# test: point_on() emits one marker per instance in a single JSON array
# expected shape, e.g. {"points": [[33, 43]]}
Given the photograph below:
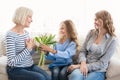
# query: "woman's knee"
{"points": [[96, 75], [76, 75], [76, 72], [55, 70], [63, 72], [38, 77]]}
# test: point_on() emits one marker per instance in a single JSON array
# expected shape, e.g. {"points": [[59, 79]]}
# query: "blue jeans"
{"points": [[77, 75], [59, 73], [28, 73]]}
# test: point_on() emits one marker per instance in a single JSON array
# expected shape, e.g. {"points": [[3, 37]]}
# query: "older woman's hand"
{"points": [[30, 43]]}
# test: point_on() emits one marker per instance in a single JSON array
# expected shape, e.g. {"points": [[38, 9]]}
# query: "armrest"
{"points": [[113, 68], [3, 63]]}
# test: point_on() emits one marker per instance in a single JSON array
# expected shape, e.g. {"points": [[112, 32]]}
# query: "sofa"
{"points": [[113, 72]]}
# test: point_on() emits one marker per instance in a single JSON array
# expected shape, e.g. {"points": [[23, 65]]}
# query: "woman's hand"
{"points": [[44, 47], [30, 43], [72, 67], [83, 68]]}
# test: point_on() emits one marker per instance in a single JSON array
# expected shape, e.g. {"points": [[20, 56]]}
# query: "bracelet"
{"points": [[47, 53]]}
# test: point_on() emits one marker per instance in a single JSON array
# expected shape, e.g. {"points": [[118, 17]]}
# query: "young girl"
{"points": [[63, 51]]}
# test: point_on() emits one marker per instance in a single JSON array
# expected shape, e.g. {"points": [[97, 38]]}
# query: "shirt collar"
{"points": [[107, 35]]}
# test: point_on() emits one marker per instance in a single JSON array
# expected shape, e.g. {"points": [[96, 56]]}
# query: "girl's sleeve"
{"points": [[68, 53]]}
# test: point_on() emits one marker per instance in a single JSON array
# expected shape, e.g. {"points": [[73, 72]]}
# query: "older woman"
{"points": [[20, 47]]}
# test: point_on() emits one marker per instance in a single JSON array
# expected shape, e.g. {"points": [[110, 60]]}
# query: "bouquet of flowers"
{"points": [[47, 40]]}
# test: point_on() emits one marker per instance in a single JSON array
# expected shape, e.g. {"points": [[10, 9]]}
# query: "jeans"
{"points": [[27, 73], [59, 73], [77, 75]]}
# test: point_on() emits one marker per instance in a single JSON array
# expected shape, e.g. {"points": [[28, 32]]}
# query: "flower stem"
{"points": [[42, 58]]}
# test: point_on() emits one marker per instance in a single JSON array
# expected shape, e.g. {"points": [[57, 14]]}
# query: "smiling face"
{"points": [[98, 23], [63, 31], [28, 21]]}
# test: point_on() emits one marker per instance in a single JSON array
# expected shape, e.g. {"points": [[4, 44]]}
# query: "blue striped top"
{"points": [[17, 53]]}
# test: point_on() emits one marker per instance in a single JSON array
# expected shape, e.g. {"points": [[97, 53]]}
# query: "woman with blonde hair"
{"points": [[96, 51], [63, 51], [20, 47]]}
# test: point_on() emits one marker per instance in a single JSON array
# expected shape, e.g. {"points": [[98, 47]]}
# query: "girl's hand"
{"points": [[44, 47], [72, 67], [83, 68]]}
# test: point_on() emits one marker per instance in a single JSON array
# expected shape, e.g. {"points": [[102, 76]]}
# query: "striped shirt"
{"points": [[17, 53]]}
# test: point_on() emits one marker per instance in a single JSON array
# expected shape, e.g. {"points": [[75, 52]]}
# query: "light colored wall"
{"points": [[49, 13]]}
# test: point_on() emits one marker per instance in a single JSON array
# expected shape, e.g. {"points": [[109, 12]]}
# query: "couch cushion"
{"points": [[2, 44], [3, 77], [3, 63], [113, 68]]}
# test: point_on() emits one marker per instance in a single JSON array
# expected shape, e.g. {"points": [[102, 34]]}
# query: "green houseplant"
{"points": [[47, 40]]}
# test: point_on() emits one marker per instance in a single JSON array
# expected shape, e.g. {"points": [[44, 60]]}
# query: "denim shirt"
{"points": [[65, 52], [97, 56]]}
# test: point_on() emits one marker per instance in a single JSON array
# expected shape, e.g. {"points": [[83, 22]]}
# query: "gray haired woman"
{"points": [[20, 47]]}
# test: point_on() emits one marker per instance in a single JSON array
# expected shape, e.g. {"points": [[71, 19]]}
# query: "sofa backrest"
{"points": [[117, 51], [33, 34]]}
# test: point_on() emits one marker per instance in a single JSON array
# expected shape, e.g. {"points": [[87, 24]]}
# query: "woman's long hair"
{"points": [[107, 21]]}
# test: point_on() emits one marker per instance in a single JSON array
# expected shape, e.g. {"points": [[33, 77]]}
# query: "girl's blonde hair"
{"points": [[107, 21], [21, 15], [72, 35]]}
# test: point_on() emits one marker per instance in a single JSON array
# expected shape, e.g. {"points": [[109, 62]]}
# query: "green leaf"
{"points": [[43, 38], [53, 36], [51, 43], [37, 39], [50, 39], [47, 40]]}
